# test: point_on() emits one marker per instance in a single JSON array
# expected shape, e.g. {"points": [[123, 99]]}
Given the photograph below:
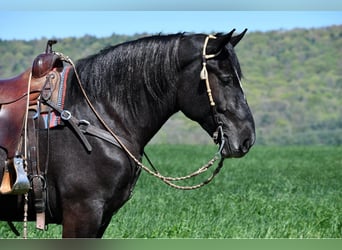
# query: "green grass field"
{"points": [[273, 192]]}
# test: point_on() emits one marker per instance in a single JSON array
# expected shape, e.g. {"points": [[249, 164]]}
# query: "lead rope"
{"points": [[165, 179], [25, 156]]}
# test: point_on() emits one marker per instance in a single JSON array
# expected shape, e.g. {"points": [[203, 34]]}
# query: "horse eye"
{"points": [[226, 79]]}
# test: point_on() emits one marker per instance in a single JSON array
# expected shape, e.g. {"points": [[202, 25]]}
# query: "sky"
{"points": [[33, 24], [144, 5]]}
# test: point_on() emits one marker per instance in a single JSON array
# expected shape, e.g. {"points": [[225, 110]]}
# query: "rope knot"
{"points": [[204, 72]]}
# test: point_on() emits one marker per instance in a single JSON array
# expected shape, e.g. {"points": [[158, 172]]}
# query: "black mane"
{"points": [[121, 72]]}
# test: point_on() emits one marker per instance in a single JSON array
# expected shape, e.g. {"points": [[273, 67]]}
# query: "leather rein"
{"points": [[109, 135]]}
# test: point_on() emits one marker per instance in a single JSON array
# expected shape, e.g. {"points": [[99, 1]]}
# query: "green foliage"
{"points": [[273, 192], [293, 82], [294, 85]]}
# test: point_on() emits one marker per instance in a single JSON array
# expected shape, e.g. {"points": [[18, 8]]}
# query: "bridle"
{"points": [[218, 135]]}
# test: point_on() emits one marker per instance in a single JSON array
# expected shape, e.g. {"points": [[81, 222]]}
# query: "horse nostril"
{"points": [[246, 146]]}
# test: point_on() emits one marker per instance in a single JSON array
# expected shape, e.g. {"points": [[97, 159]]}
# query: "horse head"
{"points": [[211, 93]]}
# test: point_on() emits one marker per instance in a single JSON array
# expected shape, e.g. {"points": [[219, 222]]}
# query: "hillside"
{"points": [[293, 82]]}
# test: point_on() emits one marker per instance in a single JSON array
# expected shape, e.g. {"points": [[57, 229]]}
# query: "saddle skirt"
{"points": [[36, 93], [13, 103]]}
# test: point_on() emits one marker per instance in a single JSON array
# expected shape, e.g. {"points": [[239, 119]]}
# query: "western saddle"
{"points": [[33, 96], [20, 96]]}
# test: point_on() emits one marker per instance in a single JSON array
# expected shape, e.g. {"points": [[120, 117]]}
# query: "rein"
{"points": [[218, 135]]}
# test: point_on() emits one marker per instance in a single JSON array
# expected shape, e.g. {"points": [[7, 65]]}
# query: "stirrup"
{"points": [[14, 180]]}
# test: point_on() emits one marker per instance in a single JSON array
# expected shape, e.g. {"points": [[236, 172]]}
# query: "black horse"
{"points": [[135, 86]]}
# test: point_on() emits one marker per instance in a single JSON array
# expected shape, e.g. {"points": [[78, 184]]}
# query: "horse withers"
{"points": [[135, 87]]}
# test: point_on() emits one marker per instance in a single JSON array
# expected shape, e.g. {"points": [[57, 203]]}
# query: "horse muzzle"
{"points": [[230, 147]]}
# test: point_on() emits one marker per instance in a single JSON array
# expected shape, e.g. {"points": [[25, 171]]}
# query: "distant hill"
{"points": [[294, 85], [293, 82]]}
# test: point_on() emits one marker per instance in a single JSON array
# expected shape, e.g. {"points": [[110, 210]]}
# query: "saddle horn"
{"points": [[49, 46]]}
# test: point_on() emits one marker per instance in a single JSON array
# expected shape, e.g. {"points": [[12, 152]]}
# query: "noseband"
{"points": [[218, 135]]}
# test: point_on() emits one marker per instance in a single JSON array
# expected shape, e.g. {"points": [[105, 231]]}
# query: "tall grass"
{"points": [[273, 192]]}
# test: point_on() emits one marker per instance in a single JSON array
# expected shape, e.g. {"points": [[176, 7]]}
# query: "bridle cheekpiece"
{"points": [[218, 135]]}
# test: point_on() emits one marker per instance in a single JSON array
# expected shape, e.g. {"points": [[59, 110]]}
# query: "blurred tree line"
{"points": [[293, 82]]}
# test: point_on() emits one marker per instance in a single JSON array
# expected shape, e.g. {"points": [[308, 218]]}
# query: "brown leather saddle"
{"points": [[17, 95]]}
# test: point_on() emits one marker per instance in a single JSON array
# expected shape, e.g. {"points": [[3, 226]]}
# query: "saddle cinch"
{"points": [[17, 96]]}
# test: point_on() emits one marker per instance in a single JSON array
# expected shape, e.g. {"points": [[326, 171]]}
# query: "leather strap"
{"points": [[67, 117], [37, 179], [87, 128], [82, 127]]}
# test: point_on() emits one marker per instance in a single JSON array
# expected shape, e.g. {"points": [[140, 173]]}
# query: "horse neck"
{"points": [[140, 124], [147, 121], [136, 118], [144, 76]]}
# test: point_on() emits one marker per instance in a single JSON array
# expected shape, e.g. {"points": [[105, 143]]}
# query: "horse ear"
{"points": [[236, 39], [215, 45]]}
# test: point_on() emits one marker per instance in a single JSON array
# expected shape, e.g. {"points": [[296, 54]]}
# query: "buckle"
{"points": [[83, 125], [40, 177], [66, 115]]}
